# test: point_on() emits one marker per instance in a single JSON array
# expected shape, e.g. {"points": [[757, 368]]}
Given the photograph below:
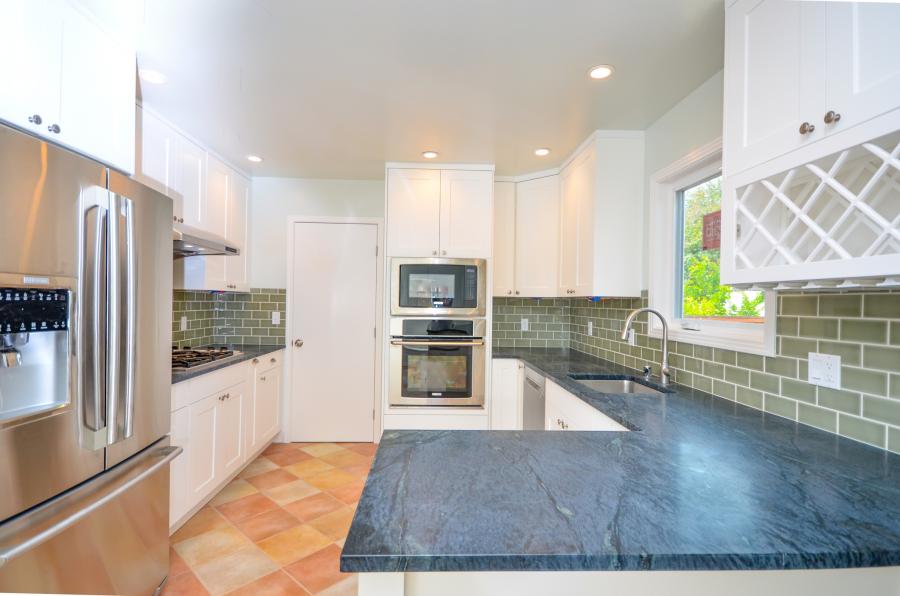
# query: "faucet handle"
{"points": [[647, 370]]}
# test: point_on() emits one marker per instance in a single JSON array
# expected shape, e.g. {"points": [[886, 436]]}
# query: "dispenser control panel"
{"points": [[33, 310]]}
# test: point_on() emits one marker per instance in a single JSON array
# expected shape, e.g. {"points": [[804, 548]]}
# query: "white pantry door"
{"points": [[333, 301]]}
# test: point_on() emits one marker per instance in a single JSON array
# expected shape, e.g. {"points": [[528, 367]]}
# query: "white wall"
{"points": [[691, 123], [275, 199]]}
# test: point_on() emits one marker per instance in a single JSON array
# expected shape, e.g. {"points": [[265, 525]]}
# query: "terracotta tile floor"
{"points": [[277, 528]]}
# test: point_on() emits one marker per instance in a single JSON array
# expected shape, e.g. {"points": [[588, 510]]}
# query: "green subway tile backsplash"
{"points": [[863, 328], [228, 318]]}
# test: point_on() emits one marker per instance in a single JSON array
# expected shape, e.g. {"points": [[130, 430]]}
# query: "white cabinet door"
{"points": [[773, 79], [537, 237], [264, 419], [504, 238], [413, 213], [218, 179], [863, 61], [188, 176], [506, 394], [577, 238], [97, 92], [153, 148], [236, 265], [467, 213], [230, 429], [30, 63], [202, 464], [179, 472]]}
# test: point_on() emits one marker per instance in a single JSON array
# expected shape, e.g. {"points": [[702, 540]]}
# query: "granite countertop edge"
{"points": [[248, 352]]}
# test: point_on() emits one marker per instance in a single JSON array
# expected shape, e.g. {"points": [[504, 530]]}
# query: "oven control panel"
{"points": [[33, 310]]}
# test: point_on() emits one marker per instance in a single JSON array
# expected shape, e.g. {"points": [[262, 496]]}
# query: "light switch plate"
{"points": [[276, 317], [184, 324], [524, 324], [825, 370]]}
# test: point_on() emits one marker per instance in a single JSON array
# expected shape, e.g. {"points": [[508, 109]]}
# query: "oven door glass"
{"points": [[437, 372], [438, 286]]}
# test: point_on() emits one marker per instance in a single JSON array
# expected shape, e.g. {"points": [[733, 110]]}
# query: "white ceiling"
{"points": [[334, 88]]}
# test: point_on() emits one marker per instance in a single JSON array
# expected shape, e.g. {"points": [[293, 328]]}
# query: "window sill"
{"points": [[739, 342]]}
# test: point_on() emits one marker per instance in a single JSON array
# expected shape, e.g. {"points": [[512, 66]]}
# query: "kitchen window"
{"points": [[685, 222]]}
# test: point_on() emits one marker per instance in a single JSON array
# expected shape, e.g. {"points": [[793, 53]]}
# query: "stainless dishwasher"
{"points": [[533, 401]]}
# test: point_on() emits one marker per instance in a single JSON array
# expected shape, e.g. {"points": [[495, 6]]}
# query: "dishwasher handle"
{"points": [[535, 385]]}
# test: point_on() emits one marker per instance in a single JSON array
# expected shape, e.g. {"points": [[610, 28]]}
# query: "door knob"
{"points": [[807, 128], [298, 343], [831, 117]]}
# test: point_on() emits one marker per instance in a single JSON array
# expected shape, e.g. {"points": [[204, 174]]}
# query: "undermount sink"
{"points": [[615, 385]]}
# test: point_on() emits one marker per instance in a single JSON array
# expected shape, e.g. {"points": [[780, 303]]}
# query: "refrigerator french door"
{"points": [[85, 334]]}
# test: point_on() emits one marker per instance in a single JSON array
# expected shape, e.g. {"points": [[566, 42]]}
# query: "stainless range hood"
{"points": [[192, 242]]}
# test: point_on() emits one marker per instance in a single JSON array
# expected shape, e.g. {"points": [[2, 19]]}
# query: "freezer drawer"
{"points": [[107, 536]]}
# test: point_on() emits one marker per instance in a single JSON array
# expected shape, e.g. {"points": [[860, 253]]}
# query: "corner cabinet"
{"points": [[222, 420], [526, 237], [812, 114], [69, 78], [439, 212], [601, 217]]}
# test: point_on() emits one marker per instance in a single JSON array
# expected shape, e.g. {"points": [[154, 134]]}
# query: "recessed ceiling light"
{"points": [[429, 154], [542, 152], [154, 77], [602, 71], [254, 158]]}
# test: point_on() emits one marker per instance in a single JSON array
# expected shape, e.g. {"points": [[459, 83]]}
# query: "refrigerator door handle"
{"points": [[92, 326], [48, 521], [122, 320]]}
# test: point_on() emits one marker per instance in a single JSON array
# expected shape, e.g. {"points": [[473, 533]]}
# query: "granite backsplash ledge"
{"points": [[861, 327], [228, 317]]}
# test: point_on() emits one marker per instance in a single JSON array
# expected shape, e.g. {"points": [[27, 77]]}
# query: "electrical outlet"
{"points": [[184, 324], [825, 370], [590, 328], [276, 317], [631, 337], [524, 325]]}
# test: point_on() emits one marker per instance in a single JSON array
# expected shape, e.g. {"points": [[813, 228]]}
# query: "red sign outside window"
{"points": [[712, 227]]}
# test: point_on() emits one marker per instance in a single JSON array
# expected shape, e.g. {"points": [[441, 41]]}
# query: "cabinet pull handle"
{"points": [[807, 128], [262, 378], [508, 292], [831, 117], [272, 360], [444, 252], [35, 119], [256, 361], [434, 253], [517, 292], [54, 128]]}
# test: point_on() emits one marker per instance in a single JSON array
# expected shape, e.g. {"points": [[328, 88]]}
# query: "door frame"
{"points": [[286, 399]]}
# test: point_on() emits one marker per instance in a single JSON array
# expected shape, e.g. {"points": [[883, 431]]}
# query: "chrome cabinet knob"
{"points": [[35, 119], [54, 128], [508, 292], [807, 128], [262, 378], [831, 117], [517, 292], [444, 252], [434, 253], [256, 361], [180, 220], [272, 360], [298, 343]]}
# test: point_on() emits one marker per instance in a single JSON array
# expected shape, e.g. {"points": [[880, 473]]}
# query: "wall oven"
{"points": [[437, 362], [438, 287]]}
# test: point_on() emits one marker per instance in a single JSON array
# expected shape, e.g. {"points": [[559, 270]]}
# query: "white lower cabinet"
{"points": [[222, 420], [564, 411], [506, 394]]}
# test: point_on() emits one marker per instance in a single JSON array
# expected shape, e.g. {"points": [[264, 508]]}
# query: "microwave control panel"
{"points": [[33, 310]]}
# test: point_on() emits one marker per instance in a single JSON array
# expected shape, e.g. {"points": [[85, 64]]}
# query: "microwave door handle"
{"points": [[93, 328], [120, 373]]}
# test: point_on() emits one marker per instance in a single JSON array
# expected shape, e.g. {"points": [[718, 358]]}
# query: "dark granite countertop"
{"points": [[248, 353], [699, 483]]}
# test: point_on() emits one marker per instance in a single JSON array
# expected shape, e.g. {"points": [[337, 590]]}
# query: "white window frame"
{"points": [[754, 338]]}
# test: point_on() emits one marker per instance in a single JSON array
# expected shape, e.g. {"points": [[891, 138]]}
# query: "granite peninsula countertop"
{"points": [[249, 352], [700, 483]]}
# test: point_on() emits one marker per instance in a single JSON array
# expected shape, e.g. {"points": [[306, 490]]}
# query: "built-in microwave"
{"points": [[438, 287], [437, 362]]}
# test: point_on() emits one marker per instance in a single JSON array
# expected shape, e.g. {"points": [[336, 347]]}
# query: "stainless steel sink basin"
{"points": [[617, 386]]}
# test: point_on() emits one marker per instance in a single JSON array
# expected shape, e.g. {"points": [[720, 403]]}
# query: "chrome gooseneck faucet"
{"points": [[664, 365]]}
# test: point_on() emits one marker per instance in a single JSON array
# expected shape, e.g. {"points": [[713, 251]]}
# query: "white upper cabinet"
{"points": [[601, 217], [187, 173], [439, 213], [413, 212], [537, 237], [68, 79], [504, 238], [153, 150], [218, 180], [466, 213], [236, 265]]}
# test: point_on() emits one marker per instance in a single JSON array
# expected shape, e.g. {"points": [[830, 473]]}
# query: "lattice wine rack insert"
{"points": [[843, 206]]}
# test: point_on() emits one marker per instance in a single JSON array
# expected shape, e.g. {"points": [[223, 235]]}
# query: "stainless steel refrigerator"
{"points": [[85, 373]]}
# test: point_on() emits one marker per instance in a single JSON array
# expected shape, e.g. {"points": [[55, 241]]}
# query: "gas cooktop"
{"points": [[187, 358]]}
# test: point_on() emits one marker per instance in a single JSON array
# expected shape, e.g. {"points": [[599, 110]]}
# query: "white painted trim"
{"points": [[744, 337], [527, 177], [415, 165], [378, 305]]}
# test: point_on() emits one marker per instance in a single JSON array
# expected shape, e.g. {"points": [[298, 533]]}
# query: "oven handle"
{"points": [[401, 342]]}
